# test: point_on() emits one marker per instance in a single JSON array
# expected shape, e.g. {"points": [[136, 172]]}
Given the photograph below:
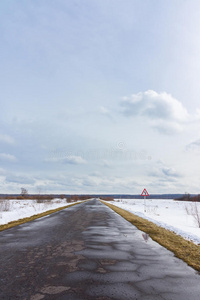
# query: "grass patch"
{"points": [[183, 249], [34, 217]]}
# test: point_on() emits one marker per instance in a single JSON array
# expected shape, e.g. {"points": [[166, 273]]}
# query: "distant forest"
{"points": [[108, 197]]}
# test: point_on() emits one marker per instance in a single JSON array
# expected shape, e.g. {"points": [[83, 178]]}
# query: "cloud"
{"points": [[103, 110], [164, 172], [105, 163], [165, 113], [2, 171], [71, 159], [170, 172], [193, 146], [106, 183], [167, 128], [75, 160], [21, 179], [4, 138], [154, 105], [7, 157]]}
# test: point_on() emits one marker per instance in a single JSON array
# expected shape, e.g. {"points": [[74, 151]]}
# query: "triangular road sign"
{"points": [[145, 193]]}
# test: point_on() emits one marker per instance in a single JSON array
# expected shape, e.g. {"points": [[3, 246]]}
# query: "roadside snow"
{"points": [[169, 214], [19, 209]]}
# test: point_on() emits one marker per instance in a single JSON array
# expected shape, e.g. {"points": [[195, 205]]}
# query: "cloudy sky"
{"points": [[100, 96]]}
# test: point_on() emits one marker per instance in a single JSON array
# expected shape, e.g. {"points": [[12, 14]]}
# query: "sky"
{"points": [[100, 96]]}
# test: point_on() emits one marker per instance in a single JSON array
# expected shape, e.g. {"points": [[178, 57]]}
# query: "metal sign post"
{"points": [[145, 193]]}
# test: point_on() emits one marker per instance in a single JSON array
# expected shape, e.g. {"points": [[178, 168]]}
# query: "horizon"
{"points": [[97, 194]]}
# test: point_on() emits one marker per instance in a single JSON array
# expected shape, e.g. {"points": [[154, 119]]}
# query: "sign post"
{"points": [[145, 193]]}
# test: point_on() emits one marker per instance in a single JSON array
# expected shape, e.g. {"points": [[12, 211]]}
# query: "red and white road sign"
{"points": [[145, 193]]}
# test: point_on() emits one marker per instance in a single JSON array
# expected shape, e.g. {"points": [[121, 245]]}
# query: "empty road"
{"points": [[89, 252]]}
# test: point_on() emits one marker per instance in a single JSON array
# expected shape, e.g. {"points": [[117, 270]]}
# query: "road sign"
{"points": [[145, 193]]}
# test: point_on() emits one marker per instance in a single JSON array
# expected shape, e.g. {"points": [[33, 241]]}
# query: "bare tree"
{"points": [[24, 192], [5, 205], [39, 198], [194, 211], [196, 214]]}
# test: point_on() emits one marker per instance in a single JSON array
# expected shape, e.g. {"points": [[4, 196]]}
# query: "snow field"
{"points": [[19, 209]]}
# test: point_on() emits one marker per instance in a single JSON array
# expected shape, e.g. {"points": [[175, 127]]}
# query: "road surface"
{"points": [[89, 252]]}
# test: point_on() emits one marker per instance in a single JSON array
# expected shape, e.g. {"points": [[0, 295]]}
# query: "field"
{"points": [[12, 210]]}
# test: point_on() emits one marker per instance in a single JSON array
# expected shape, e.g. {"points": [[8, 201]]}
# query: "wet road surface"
{"points": [[89, 252]]}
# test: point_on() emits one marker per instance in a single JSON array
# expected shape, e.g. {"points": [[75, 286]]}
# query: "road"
{"points": [[89, 252]]}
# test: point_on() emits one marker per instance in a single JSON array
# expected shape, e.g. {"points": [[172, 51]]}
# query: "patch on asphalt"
{"points": [[50, 290], [54, 289], [37, 297]]}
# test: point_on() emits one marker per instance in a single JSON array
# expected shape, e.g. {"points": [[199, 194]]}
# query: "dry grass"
{"points": [[25, 220], [183, 249]]}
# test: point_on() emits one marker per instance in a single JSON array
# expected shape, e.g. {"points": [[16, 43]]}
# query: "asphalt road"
{"points": [[89, 252]]}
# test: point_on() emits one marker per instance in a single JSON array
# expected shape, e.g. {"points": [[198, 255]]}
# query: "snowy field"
{"points": [[12, 210], [177, 216]]}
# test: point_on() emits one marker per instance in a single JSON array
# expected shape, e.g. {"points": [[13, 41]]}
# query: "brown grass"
{"points": [[183, 249], [25, 220]]}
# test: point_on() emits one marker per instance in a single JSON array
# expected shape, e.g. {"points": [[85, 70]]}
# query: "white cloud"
{"points": [[71, 159], [2, 171], [19, 179], [197, 115], [167, 127], [104, 110], [165, 113], [170, 172], [164, 172], [106, 163], [7, 157], [193, 146], [111, 184], [155, 105], [4, 138]]}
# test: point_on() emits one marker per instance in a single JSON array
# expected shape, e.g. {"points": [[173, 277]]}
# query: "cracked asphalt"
{"points": [[89, 252]]}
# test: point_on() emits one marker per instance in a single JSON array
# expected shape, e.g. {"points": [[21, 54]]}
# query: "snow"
{"points": [[19, 209], [176, 216]]}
